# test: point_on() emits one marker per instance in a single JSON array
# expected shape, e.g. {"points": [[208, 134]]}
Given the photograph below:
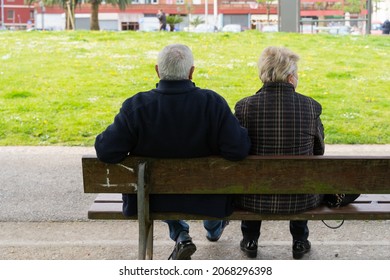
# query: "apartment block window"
{"points": [[144, 2], [10, 14], [179, 1], [148, 1]]}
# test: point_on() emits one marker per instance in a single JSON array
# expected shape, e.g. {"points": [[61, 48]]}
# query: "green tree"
{"points": [[95, 10], [172, 20], [196, 21], [354, 6], [69, 6]]}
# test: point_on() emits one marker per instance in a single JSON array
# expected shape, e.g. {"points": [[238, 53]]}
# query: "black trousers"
{"points": [[298, 229]]}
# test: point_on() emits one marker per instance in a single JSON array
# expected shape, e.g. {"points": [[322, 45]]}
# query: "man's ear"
{"points": [[156, 68], [191, 72]]}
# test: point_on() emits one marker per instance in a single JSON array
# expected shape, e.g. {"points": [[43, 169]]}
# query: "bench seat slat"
{"points": [[364, 198], [108, 197], [355, 211]]}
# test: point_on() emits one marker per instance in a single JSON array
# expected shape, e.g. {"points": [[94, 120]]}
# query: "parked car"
{"points": [[307, 29], [149, 24], [334, 29], [270, 28], [376, 28], [232, 28], [340, 30], [202, 28]]}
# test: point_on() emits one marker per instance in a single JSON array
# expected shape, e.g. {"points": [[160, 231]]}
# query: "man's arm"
{"points": [[234, 139], [115, 143]]}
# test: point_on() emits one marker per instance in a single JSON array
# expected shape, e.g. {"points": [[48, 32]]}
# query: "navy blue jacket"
{"points": [[175, 120]]}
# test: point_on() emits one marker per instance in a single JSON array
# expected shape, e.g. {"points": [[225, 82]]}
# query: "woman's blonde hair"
{"points": [[276, 64]]}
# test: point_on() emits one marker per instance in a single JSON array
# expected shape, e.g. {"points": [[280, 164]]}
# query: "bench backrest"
{"points": [[255, 174]]}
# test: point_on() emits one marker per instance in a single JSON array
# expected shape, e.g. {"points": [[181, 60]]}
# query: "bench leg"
{"points": [[149, 244], [145, 241], [145, 225]]}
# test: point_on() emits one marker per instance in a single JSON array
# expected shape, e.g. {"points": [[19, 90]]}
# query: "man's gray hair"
{"points": [[175, 62], [276, 64]]}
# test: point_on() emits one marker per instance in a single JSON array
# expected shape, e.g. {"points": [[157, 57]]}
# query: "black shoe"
{"points": [[184, 248], [249, 247], [218, 233], [300, 248]]}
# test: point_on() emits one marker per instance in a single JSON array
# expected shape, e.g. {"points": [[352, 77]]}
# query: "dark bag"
{"points": [[338, 200]]}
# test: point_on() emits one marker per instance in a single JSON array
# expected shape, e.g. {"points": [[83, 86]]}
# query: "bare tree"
{"points": [[268, 5], [68, 6]]}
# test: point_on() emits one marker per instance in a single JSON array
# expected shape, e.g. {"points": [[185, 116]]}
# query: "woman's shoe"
{"points": [[300, 248], [249, 247]]}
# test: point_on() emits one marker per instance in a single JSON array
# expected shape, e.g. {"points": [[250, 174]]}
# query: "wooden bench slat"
{"points": [[359, 211], [106, 211], [108, 197], [284, 174], [364, 198], [380, 198]]}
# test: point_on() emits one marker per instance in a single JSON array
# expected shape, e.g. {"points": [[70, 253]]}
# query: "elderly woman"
{"points": [[280, 121]]}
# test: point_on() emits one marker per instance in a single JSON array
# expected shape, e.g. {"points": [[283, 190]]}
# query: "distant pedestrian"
{"points": [[386, 27], [163, 20]]}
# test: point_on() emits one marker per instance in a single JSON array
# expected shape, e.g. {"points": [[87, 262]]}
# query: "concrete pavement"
{"points": [[43, 216]]}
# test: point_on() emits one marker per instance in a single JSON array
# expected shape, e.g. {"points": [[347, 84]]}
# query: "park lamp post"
{"points": [[206, 11], [2, 14], [43, 9]]}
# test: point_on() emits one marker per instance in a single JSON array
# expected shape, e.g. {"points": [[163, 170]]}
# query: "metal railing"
{"points": [[336, 24]]}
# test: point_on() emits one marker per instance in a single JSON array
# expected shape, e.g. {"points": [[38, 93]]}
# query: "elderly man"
{"points": [[177, 120]]}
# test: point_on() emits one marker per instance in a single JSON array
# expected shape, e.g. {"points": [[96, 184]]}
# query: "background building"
{"points": [[15, 14], [316, 15]]}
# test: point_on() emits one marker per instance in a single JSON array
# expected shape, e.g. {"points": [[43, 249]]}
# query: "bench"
{"points": [[368, 175]]}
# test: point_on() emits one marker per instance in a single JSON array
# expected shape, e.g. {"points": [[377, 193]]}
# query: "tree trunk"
{"points": [[95, 15], [67, 20], [69, 15]]}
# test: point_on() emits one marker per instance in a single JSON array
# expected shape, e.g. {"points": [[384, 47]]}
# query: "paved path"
{"points": [[43, 216]]}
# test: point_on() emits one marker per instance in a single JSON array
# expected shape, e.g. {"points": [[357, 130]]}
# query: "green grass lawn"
{"points": [[63, 88]]}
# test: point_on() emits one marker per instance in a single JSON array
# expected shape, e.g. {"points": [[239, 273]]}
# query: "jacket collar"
{"points": [[275, 86], [174, 87]]}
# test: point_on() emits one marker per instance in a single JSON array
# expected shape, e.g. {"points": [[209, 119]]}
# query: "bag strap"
{"points": [[333, 227]]}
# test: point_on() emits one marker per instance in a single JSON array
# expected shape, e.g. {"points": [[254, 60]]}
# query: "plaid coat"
{"points": [[281, 121]]}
